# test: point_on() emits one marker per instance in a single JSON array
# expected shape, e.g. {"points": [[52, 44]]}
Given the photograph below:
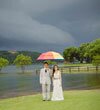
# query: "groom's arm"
{"points": [[41, 76]]}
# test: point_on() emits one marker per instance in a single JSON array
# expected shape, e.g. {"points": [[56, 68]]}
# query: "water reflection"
{"points": [[93, 80], [15, 84], [81, 81]]}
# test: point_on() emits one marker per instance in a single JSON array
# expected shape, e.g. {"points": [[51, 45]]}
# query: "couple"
{"points": [[46, 75]]}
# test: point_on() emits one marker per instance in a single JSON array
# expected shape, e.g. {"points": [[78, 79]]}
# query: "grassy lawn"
{"points": [[79, 68], [74, 100], [78, 64]]}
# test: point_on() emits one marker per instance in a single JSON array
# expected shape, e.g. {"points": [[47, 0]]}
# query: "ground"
{"points": [[74, 100]]}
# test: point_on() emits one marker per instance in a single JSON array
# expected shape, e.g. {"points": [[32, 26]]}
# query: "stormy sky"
{"points": [[43, 25]]}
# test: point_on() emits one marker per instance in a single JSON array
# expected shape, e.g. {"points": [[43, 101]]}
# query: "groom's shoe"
{"points": [[44, 100]]}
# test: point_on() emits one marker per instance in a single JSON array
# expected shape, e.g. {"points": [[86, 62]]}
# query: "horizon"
{"points": [[15, 50]]}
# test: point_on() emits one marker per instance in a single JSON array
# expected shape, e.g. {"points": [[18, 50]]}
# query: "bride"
{"points": [[57, 85]]}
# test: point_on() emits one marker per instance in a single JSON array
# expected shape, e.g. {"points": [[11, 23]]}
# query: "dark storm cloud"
{"points": [[47, 24], [81, 19]]}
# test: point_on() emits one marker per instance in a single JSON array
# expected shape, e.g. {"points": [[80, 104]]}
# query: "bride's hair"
{"points": [[54, 69]]}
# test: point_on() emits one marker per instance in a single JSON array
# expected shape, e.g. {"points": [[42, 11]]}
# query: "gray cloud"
{"points": [[23, 27], [81, 19], [35, 6], [48, 24]]}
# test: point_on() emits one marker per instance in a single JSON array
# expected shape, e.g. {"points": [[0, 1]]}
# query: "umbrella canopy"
{"points": [[50, 55]]}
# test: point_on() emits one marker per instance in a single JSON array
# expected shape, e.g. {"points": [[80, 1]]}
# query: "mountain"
{"points": [[11, 55]]}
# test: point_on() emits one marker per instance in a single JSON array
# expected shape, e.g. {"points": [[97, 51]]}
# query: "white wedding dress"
{"points": [[57, 94]]}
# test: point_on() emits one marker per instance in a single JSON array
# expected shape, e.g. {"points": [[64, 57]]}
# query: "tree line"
{"points": [[86, 52], [18, 58]]}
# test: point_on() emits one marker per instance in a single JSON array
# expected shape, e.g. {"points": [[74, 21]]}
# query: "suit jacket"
{"points": [[45, 76]]}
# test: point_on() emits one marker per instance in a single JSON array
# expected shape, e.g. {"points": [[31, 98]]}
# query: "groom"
{"points": [[45, 81]]}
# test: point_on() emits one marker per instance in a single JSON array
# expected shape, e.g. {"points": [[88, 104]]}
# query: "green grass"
{"points": [[79, 68], [78, 64], [74, 100]]}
